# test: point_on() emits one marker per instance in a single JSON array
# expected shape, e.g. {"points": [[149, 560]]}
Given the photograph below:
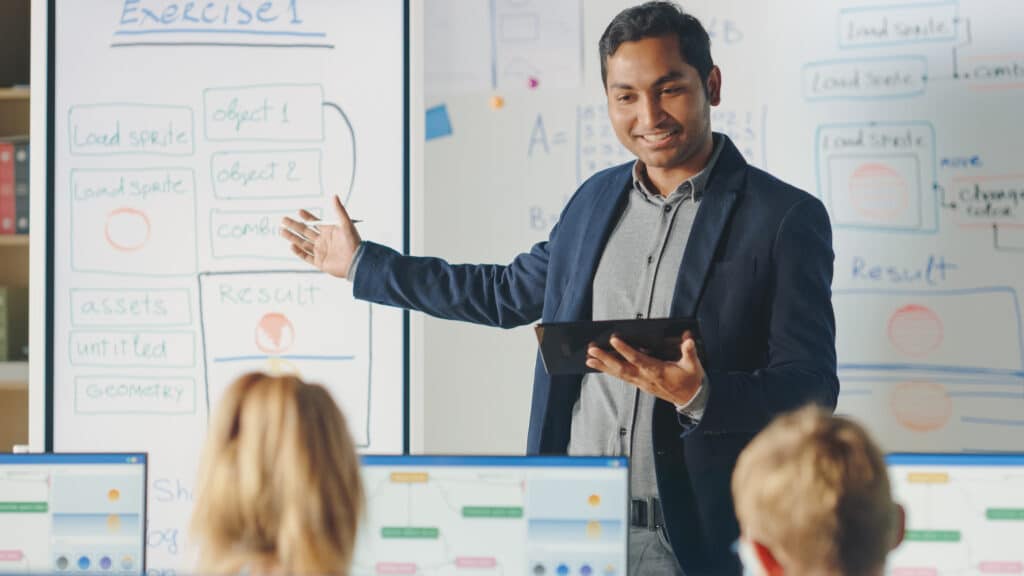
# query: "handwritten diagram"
{"points": [[962, 519], [504, 521], [273, 322], [912, 369], [930, 350], [167, 194], [171, 177]]}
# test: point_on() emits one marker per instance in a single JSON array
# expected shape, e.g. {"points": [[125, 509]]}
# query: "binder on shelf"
{"points": [[21, 195]]}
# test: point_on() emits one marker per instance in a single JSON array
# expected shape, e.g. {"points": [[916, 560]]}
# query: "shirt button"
{"points": [[623, 432], [668, 208], [639, 316], [650, 259]]}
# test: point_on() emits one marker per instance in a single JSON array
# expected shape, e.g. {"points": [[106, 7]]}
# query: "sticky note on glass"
{"points": [[438, 123]]}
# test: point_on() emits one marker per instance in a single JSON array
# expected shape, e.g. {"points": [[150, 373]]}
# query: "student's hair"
{"points": [[279, 486], [654, 20], [814, 489]]}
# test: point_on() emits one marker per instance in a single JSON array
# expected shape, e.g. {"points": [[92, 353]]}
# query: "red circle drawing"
{"points": [[921, 406], [275, 333], [915, 330], [127, 229], [879, 192]]}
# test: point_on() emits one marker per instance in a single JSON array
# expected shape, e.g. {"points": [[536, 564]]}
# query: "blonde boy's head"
{"points": [[812, 493]]}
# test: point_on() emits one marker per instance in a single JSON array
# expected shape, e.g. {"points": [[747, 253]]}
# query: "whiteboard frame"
{"points": [[42, 261]]}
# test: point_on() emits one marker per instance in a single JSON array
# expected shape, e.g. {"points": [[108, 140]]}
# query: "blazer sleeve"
{"points": [[801, 365], [495, 295]]}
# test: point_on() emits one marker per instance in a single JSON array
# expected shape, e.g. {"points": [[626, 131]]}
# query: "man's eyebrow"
{"points": [[670, 77]]}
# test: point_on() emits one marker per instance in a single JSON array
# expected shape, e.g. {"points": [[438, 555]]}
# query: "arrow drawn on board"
{"points": [[942, 196]]}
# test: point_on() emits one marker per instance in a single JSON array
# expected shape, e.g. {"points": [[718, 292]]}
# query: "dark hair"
{"points": [[653, 20]]}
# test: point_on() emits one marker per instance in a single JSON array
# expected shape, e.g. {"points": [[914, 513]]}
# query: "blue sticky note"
{"points": [[438, 123]]}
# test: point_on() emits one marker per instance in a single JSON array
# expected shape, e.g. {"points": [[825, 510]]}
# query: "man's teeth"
{"points": [[657, 136]]}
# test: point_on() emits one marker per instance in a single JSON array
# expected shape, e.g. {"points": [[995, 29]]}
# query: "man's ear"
{"points": [[901, 526], [769, 563], [714, 86]]}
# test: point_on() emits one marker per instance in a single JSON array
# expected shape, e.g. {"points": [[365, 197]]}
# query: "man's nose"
{"points": [[650, 111]]}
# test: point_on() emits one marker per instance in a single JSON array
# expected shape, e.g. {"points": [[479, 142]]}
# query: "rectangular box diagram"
{"points": [[932, 330], [879, 176], [897, 24], [115, 129], [272, 112], [302, 323], [262, 175], [133, 221], [865, 79]]}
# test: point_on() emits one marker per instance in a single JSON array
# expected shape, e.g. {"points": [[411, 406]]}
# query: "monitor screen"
{"points": [[965, 513], [72, 513], [494, 515]]}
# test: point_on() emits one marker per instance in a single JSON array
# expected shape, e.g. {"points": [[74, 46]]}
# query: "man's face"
{"points": [[657, 103]]}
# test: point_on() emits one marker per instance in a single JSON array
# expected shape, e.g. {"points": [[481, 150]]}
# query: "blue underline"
{"points": [[931, 368], [991, 421], [218, 31], [283, 357]]}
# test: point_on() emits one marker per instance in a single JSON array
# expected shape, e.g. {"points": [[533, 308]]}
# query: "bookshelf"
{"points": [[14, 121]]}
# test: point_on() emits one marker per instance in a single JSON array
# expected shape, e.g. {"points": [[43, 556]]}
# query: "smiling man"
{"points": [[688, 229]]}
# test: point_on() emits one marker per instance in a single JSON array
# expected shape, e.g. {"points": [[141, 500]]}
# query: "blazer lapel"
{"points": [[727, 180], [603, 217]]}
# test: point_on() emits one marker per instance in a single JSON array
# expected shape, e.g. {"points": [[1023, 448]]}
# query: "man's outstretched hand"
{"points": [[330, 248]]}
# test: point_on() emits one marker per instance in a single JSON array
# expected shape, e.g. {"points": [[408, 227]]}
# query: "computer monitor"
{"points": [[72, 513], [965, 513], [437, 515]]}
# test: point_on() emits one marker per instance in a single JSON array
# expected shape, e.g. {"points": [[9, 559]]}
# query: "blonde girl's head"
{"points": [[279, 487]]}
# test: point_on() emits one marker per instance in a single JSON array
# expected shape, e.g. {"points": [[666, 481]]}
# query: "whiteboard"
{"points": [[181, 133], [902, 117]]}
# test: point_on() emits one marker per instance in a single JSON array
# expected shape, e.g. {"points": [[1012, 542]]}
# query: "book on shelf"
{"points": [[13, 323], [14, 190], [6, 187]]}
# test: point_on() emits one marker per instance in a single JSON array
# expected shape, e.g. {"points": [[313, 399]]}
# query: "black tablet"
{"points": [[563, 345]]}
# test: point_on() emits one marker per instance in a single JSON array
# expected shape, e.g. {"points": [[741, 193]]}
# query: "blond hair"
{"points": [[279, 486], [814, 489]]}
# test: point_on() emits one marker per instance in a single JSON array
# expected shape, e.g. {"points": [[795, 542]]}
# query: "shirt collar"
{"points": [[696, 183]]}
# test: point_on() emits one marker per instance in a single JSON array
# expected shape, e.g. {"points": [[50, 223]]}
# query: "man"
{"points": [[689, 229], [812, 495]]}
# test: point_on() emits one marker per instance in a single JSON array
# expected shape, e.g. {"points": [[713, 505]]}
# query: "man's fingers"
{"points": [[295, 228], [690, 349], [292, 236], [690, 361], [612, 361], [642, 362], [307, 215], [298, 241], [339, 210], [302, 254], [632, 355], [596, 364]]}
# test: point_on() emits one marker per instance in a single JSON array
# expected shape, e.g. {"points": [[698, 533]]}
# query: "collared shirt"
{"points": [[636, 278]]}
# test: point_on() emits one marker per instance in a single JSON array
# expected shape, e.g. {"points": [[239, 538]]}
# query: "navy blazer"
{"points": [[757, 272]]}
